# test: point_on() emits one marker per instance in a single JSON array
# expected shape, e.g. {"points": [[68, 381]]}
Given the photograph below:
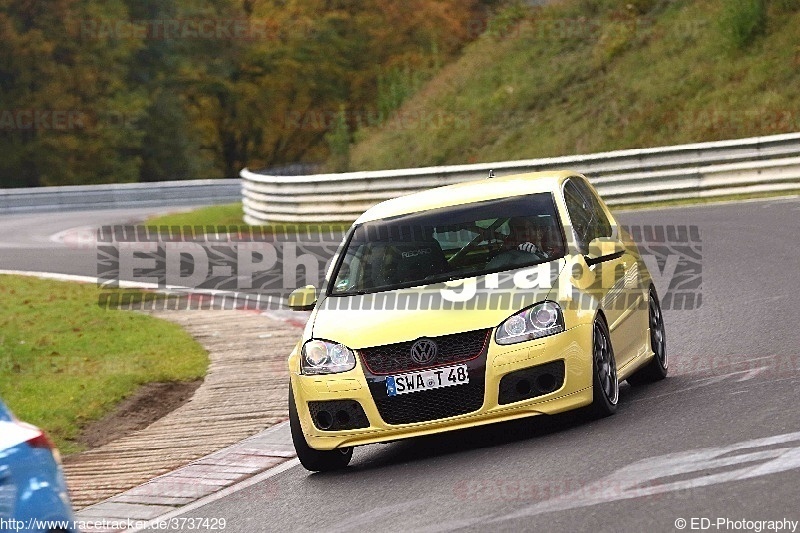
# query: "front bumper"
{"points": [[573, 347]]}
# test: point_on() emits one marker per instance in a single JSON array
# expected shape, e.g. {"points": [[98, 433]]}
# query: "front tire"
{"points": [[605, 385], [656, 369], [311, 459]]}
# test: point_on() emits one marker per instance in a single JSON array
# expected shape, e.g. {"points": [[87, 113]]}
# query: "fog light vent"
{"points": [[337, 415], [531, 382]]}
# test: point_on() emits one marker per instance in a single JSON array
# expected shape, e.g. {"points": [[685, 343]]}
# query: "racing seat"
{"points": [[394, 263]]}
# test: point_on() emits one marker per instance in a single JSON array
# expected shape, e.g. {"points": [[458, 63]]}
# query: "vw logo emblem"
{"points": [[424, 351]]}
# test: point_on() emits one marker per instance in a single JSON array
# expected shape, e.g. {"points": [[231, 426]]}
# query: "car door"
{"points": [[616, 279]]}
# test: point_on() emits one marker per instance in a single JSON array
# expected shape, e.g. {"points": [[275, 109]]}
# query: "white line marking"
{"points": [[77, 235], [123, 284], [224, 493], [651, 476], [641, 478], [49, 275], [690, 367]]}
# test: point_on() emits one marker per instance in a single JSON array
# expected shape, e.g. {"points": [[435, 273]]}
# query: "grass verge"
{"points": [[226, 215], [576, 76], [221, 215], [65, 362]]}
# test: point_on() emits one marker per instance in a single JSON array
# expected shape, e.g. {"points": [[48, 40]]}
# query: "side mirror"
{"points": [[604, 249], [303, 299]]}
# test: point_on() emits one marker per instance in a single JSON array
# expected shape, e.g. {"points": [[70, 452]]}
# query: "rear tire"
{"points": [[311, 459], [656, 369], [605, 385]]}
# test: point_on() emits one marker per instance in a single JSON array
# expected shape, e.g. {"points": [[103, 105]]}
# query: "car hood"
{"points": [[362, 321]]}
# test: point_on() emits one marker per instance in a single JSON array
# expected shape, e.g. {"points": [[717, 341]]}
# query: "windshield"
{"points": [[449, 243]]}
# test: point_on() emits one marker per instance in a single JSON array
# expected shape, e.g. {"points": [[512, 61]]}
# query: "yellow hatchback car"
{"points": [[470, 304]]}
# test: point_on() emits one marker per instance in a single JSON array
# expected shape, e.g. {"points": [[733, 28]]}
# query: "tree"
{"points": [[66, 114], [142, 90]]}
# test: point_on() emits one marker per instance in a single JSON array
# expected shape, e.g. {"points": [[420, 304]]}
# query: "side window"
{"points": [[589, 221], [578, 214], [601, 226]]}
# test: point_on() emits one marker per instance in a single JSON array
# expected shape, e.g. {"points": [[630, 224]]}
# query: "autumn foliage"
{"points": [[146, 90]]}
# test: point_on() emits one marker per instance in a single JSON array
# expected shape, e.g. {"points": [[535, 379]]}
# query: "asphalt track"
{"points": [[60, 242], [719, 439]]}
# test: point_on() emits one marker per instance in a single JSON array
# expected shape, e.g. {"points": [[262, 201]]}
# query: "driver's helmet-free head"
{"points": [[522, 230]]}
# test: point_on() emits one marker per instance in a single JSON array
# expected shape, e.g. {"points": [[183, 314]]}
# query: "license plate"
{"points": [[427, 380]]}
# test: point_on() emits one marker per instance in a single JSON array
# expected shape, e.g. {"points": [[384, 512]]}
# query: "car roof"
{"points": [[467, 193]]}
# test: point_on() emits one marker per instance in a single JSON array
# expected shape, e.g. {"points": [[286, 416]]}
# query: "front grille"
{"points": [[432, 404], [455, 348]]}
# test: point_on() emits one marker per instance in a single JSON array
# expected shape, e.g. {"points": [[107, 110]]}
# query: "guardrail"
{"points": [[129, 195], [759, 164]]}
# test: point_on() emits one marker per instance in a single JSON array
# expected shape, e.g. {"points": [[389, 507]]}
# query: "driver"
{"points": [[521, 246], [524, 235]]}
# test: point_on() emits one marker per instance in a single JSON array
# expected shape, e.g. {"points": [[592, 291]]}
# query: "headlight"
{"points": [[325, 357], [535, 322]]}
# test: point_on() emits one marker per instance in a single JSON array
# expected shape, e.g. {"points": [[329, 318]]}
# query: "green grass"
{"points": [[742, 21], [222, 215], [64, 361], [231, 215], [580, 76]]}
